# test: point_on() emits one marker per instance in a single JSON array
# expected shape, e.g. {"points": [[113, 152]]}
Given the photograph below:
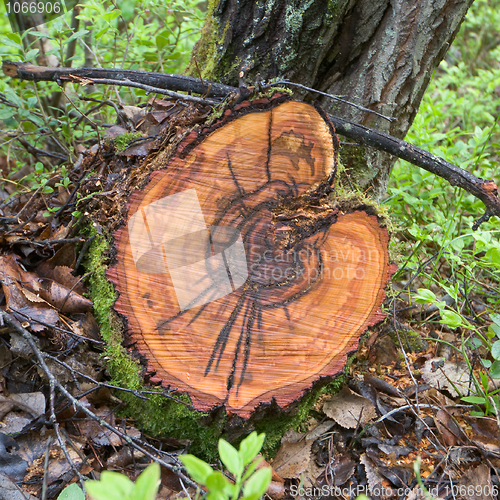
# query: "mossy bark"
{"points": [[379, 54]]}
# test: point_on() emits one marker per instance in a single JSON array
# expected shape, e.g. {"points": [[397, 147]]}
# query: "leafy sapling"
{"points": [[249, 483], [116, 486]]}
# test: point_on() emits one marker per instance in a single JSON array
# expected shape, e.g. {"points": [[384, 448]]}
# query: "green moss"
{"points": [[348, 199], [273, 90], [275, 428], [120, 365], [157, 415], [412, 341], [123, 141], [209, 60]]}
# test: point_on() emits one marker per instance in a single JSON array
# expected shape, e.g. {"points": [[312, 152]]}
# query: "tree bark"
{"points": [[378, 54]]}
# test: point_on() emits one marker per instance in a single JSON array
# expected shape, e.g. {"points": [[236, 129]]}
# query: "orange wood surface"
{"points": [[305, 281]]}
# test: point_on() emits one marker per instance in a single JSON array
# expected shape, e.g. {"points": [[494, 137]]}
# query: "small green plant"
{"points": [[416, 469], [72, 492], [487, 401], [116, 486], [249, 483]]}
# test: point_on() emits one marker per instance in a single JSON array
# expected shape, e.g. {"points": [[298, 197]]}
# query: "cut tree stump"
{"points": [[241, 281]]}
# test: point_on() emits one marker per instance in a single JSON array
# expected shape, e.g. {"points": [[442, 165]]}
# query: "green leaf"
{"points": [[216, 495], [250, 447], [450, 318], [197, 469], [493, 254], [486, 363], [494, 370], [72, 492], [257, 484], [37, 120], [10, 43], [31, 54], [100, 33], [216, 482], [7, 112], [110, 16], [477, 414], [32, 101], [146, 485], [477, 400], [14, 37], [230, 458], [24, 113], [495, 318], [112, 486], [474, 343], [493, 330], [425, 296], [78, 34], [495, 350], [250, 469], [13, 97], [162, 39]]}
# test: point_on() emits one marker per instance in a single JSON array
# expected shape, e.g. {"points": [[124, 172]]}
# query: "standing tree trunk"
{"points": [[379, 54]]}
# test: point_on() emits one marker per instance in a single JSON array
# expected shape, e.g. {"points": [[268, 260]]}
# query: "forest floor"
{"points": [[417, 406]]}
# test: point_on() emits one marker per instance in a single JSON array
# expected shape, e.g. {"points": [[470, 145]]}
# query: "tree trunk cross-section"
{"points": [[240, 282]]}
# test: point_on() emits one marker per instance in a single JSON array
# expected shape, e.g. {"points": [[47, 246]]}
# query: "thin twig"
{"points": [[54, 383], [147, 88], [331, 96]]}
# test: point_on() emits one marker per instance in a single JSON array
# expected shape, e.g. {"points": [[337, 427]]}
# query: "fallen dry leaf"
{"points": [[294, 459], [450, 375], [349, 409], [376, 482], [451, 433], [61, 274], [476, 483], [64, 299], [276, 490], [30, 402], [485, 433], [10, 491], [14, 280], [294, 455]]}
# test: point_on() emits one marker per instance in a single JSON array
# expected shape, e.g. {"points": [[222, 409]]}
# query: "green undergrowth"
{"points": [[457, 121], [445, 264]]}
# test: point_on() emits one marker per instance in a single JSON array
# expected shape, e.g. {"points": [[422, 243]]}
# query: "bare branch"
{"points": [[158, 80], [484, 190]]}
